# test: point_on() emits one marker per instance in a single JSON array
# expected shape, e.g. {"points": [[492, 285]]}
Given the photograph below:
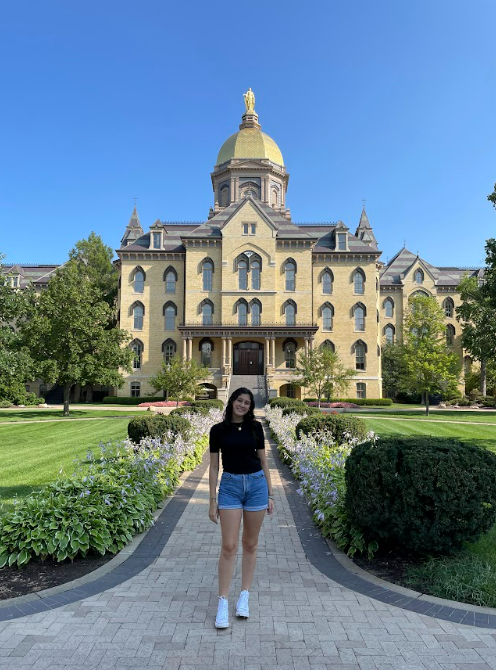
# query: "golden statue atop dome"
{"points": [[249, 97]]}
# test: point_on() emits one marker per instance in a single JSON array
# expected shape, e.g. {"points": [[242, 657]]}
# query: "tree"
{"points": [[69, 333], [95, 259], [393, 367], [492, 197], [179, 378], [322, 373], [478, 324], [430, 365]]}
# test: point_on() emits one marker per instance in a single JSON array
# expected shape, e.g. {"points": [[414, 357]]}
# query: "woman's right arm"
{"points": [[213, 474]]}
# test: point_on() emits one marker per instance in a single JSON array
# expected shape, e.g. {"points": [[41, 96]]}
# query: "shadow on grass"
{"points": [[12, 416]]}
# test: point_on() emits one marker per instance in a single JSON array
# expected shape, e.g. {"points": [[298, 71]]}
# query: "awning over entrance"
{"points": [[235, 330]]}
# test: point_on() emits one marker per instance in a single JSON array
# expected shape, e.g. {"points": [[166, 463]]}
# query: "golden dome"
{"points": [[250, 143]]}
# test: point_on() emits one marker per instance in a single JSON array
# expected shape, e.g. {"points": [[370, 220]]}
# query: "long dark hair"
{"points": [[249, 416]]}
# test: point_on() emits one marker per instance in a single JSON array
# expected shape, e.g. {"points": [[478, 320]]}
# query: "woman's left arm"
{"points": [[265, 467]]}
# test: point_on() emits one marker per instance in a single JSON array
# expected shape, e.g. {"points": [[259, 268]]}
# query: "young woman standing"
{"points": [[245, 492]]}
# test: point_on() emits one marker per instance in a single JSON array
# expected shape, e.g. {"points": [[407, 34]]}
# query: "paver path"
{"points": [[163, 617]]}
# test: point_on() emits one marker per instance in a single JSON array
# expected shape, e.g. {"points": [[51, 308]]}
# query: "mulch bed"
{"points": [[39, 575], [391, 567]]}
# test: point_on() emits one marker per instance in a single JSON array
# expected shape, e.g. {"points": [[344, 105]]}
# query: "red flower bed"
{"points": [[165, 403], [327, 405]]}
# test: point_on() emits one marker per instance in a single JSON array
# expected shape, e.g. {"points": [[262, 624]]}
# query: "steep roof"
{"points": [[39, 275], [395, 271], [364, 231]]}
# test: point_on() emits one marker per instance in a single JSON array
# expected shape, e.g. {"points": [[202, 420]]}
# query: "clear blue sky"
{"points": [[391, 101]]}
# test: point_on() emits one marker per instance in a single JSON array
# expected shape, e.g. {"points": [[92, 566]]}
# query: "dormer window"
{"points": [[15, 281], [341, 242], [157, 240], [249, 228]]}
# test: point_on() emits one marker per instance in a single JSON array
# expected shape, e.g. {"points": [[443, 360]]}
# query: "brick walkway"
{"points": [[162, 618]]}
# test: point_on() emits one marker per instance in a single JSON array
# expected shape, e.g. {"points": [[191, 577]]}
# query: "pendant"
{"points": [[240, 427]]}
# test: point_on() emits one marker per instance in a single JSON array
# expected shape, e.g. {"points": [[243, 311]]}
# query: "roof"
{"points": [[39, 275], [400, 265]]}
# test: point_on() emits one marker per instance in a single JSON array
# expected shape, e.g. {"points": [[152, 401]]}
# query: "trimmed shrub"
{"points": [[209, 404], [283, 402], [380, 402], [156, 426], [5, 403], [181, 411], [427, 495], [125, 400], [310, 400], [336, 424], [301, 409]]}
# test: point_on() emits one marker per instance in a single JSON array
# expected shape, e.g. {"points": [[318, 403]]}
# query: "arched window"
{"points": [[359, 349], [327, 344], [206, 348], [418, 277], [207, 311], [224, 195], [138, 280], [207, 272], [243, 275], [449, 307], [170, 279], [290, 273], [274, 197], [359, 282], [241, 309], [327, 312], [136, 347], [168, 350], [255, 274], [389, 333], [289, 347], [255, 310], [170, 312], [327, 281], [289, 310], [450, 335], [389, 308], [138, 311], [359, 314], [467, 365]]}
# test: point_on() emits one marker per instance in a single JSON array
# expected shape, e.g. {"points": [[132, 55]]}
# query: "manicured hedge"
{"points": [[124, 400], [210, 404], [156, 426], [300, 409], [381, 402], [421, 494], [181, 411], [283, 402], [336, 424]]}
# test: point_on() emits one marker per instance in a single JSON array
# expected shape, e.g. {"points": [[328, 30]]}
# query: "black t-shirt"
{"points": [[238, 447]]}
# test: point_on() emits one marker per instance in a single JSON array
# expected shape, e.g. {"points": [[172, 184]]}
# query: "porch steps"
{"points": [[256, 384]]}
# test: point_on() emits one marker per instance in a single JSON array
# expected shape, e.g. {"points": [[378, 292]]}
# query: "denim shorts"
{"points": [[248, 492]]}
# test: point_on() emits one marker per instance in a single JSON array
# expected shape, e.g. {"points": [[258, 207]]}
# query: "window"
{"points": [[327, 311], [359, 282], [243, 275], [290, 313], [207, 311], [361, 390], [341, 241], [253, 228], [139, 281], [224, 196], [418, 276], [207, 272], [168, 351], [449, 307], [255, 275], [43, 390], [274, 197], [450, 335], [135, 389], [290, 272], [15, 282], [255, 313], [242, 314], [206, 348], [290, 354], [170, 311], [327, 344], [389, 308], [389, 334], [359, 315], [360, 356], [138, 312], [327, 282], [137, 349], [170, 278], [246, 227], [290, 391], [156, 240]]}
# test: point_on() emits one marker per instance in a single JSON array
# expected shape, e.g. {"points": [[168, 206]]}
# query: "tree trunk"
{"points": [[483, 378], [426, 397], [177, 401], [67, 394]]}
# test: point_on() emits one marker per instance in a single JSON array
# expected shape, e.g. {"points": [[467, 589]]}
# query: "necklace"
{"points": [[240, 426]]}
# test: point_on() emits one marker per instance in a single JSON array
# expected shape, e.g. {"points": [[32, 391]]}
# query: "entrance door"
{"points": [[248, 358]]}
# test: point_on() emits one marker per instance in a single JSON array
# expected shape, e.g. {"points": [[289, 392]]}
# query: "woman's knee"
{"points": [[250, 546], [229, 549]]}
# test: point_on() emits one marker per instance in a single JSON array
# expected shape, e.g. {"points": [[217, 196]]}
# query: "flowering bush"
{"points": [[318, 461], [164, 403], [110, 497], [326, 405]]}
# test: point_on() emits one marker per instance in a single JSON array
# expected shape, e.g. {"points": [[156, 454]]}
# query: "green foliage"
{"points": [[127, 400], [156, 425], [213, 403], [321, 371], [336, 424], [95, 260], [423, 494], [492, 197], [283, 402], [394, 369], [5, 403], [179, 378], [430, 366], [383, 402], [301, 409], [181, 411]]}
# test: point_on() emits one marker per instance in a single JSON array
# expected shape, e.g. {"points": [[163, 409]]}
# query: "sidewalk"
{"points": [[162, 618]]}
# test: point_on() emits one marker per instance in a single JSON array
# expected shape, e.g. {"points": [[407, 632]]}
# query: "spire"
{"points": [[133, 229], [364, 231]]}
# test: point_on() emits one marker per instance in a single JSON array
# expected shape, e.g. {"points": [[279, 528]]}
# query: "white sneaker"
{"points": [[222, 618], [242, 608]]}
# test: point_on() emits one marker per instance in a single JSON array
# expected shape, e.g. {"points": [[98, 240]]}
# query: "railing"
{"points": [[237, 324]]}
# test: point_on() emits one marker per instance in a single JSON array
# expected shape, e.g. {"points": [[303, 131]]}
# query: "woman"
{"points": [[245, 491]]}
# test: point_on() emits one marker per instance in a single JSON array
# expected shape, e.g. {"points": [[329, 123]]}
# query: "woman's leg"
{"points": [[252, 522], [230, 521]]}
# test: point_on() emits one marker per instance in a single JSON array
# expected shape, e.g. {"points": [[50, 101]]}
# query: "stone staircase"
{"points": [[256, 384]]}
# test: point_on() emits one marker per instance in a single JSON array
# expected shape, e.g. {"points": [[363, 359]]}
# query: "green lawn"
{"points": [[471, 416], [32, 454], [9, 415]]}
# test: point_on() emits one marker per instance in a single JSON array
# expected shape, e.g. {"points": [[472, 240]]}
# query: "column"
{"points": [[223, 352], [267, 352], [306, 346], [190, 348], [229, 351], [184, 349], [273, 343]]}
